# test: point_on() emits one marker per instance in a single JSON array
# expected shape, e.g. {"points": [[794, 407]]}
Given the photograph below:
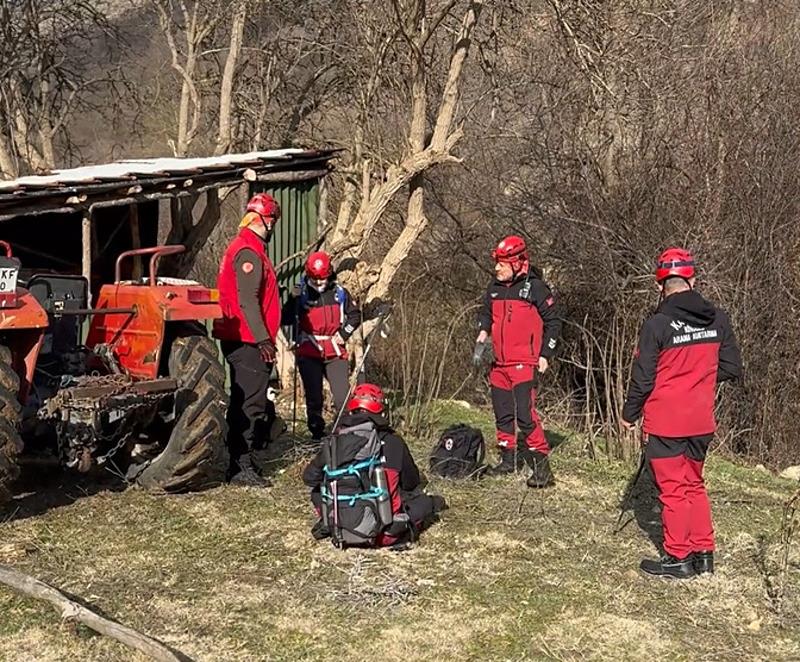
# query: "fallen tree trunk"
{"points": [[32, 587]]}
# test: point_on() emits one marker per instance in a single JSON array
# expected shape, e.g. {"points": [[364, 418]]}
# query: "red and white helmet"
{"points": [[266, 207], [368, 397], [675, 262], [318, 265], [511, 250]]}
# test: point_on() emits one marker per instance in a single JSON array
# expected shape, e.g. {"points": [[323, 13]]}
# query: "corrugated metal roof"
{"points": [[137, 168], [148, 179]]}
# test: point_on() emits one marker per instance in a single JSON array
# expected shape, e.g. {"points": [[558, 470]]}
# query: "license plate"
{"points": [[8, 285]]}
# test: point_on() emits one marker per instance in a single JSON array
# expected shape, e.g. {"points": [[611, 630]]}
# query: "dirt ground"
{"points": [[508, 573]]}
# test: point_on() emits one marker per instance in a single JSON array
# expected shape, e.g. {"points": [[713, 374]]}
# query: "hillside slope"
{"points": [[509, 574]]}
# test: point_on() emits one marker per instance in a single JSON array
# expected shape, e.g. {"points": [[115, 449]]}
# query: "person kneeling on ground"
{"points": [[365, 485]]}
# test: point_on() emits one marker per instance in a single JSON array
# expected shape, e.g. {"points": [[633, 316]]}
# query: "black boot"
{"points": [[320, 531], [523, 454], [247, 475], [541, 474], [439, 504], [316, 426], [703, 563], [506, 465], [670, 567]]}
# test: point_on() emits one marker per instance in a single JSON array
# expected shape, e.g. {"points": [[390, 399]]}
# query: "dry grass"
{"points": [[508, 574]]}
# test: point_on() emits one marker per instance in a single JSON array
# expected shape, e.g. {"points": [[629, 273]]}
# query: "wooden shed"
{"points": [[77, 221]]}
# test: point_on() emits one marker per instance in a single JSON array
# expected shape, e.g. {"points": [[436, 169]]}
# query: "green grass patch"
{"points": [[508, 574]]}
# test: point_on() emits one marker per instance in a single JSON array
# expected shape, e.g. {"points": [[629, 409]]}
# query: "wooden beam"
{"points": [[292, 176], [86, 253], [86, 243], [322, 208], [136, 240]]}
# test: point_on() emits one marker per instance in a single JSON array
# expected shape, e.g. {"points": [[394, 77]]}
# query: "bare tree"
{"points": [[46, 76], [416, 24], [188, 26], [225, 135]]}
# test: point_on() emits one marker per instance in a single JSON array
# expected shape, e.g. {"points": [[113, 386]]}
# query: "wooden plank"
{"points": [[136, 240], [86, 254]]}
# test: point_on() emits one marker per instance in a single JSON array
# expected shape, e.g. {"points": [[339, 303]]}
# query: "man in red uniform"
{"points": [[520, 314], [324, 316], [685, 348], [248, 292]]}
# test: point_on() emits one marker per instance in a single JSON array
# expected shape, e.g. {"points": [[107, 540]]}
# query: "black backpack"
{"points": [[356, 505], [459, 453]]}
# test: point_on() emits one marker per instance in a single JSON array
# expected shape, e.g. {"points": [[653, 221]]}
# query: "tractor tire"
{"points": [[10, 440], [196, 456]]}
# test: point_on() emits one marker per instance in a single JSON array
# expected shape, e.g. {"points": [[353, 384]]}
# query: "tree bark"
{"points": [[442, 142], [224, 138], [8, 165]]}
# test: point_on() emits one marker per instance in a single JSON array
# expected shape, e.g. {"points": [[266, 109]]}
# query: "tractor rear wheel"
{"points": [[10, 441], [196, 455]]}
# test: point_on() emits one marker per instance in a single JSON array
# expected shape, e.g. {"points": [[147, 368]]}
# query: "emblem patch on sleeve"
{"points": [[247, 267]]}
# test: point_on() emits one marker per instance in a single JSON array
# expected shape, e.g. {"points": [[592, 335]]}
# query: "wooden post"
{"points": [[86, 241], [322, 210], [136, 240], [244, 197]]}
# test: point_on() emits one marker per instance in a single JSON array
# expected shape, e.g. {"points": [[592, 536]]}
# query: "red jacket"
{"points": [[318, 316], [523, 320], [234, 325], [684, 350]]}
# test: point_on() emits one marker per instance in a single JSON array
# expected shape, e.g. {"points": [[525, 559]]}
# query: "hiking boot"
{"points": [[670, 567], [320, 531], [439, 504], [507, 463], [247, 474], [316, 427], [703, 562], [541, 474], [522, 456]]}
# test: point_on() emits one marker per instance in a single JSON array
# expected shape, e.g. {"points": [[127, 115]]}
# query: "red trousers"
{"points": [[514, 404], [677, 466]]}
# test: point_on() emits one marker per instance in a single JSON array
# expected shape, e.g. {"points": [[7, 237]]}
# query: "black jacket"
{"points": [[398, 456], [685, 348]]}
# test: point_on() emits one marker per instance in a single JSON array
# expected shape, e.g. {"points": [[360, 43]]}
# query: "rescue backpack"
{"points": [[459, 453], [356, 505]]}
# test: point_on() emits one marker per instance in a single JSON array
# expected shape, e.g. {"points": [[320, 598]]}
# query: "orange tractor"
{"points": [[145, 392]]}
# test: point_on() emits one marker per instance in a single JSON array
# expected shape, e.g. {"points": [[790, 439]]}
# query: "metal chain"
{"points": [[120, 434]]}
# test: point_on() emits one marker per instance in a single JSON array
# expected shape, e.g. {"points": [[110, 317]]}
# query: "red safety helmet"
{"points": [[511, 250], [318, 265], [266, 207], [368, 397], [675, 262]]}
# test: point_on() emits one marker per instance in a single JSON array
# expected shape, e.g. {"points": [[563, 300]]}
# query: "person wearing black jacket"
{"points": [[404, 480], [520, 314], [685, 349], [324, 316]]}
